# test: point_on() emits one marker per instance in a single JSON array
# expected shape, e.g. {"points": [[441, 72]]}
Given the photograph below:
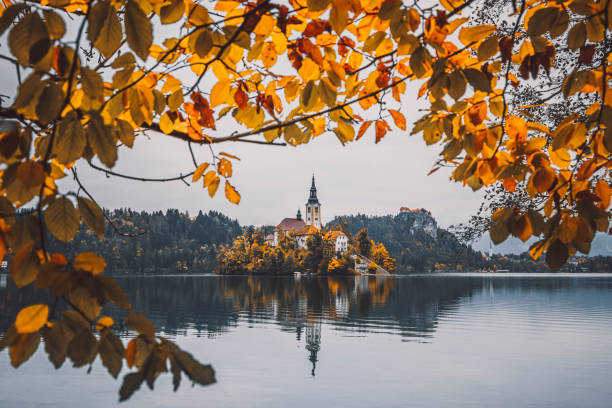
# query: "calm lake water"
{"points": [[422, 341]]}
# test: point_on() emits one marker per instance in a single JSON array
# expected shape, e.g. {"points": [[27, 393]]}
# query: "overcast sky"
{"points": [[361, 177]]}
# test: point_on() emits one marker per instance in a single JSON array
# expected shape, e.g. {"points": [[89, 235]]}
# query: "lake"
{"points": [[424, 341]]}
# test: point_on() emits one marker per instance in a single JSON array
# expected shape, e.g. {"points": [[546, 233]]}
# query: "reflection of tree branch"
{"points": [[82, 187]]}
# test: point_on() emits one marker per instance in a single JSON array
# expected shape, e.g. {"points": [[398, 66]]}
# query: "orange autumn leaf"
{"points": [[543, 179], [231, 156], [31, 318], [241, 98], [130, 352], [521, 228], [510, 184], [516, 128], [603, 191], [225, 168], [104, 322], [381, 129], [398, 118], [362, 129], [232, 195], [199, 171]]}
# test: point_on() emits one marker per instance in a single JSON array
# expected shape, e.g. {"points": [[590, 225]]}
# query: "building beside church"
{"points": [[300, 230], [338, 239]]}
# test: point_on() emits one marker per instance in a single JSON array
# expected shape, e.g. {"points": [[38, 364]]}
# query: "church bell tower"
{"points": [[313, 207]]}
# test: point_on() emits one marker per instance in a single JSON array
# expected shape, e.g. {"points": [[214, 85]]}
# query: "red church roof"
{"points": [[289, 224]]}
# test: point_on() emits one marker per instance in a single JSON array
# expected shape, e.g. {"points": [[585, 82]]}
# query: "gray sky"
{"points": [[274, 182]]}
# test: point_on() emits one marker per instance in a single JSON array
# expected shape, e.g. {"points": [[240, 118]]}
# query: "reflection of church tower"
{"points": [[313, 341], [313, 207]]}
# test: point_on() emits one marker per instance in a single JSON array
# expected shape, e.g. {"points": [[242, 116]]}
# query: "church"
{"points": [[300, 230]]}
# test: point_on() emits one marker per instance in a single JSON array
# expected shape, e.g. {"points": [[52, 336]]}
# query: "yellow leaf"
{"points": [[62, 219], [31, 318], [172, 12], [560, 157], [535, 144], [469, 35], [538, 127], [49, 103], [55, 24], [542, 20], [90, 262], [31, 173], [521, 227], [24, 268], [543, 179], [69, 140], [202, 42], [92, 83], [138, 30], [104, 29], [199, 171], [231, 193], [231, 156], [317, 5], [577, 36], [102, 140], [211, 180], [23, 38], [171, 84], [104, 322], [165, 124], [556, 255], [220, 93], [268, 55], [92, 215]]}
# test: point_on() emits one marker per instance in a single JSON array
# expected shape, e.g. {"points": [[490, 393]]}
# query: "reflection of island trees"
{"points": [[210, 305], [409, 307]]}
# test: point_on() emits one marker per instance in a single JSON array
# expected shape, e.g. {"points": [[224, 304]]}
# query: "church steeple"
{"points": [[313, 207], [313, 193], [299, 215]]}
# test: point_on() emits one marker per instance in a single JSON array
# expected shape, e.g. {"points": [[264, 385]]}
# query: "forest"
{"points": [[159, 242], [172, 242]]}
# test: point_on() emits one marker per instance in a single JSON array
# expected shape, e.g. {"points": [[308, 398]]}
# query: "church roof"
{"points": [[333, 235], [308, 230], [289, 224]]}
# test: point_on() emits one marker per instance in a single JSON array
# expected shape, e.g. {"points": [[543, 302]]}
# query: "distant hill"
{"points": [[601, 245], [414, 239]]}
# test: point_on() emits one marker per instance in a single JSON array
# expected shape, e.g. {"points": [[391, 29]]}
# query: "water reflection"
{"points": [[460, 341], [353, 306]]}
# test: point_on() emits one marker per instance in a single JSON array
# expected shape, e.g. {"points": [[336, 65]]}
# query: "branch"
{"points": [[82, 187], [213, 140], [180, 177]]}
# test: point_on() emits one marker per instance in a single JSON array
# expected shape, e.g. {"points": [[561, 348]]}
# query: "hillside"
{"points": [[415, 240]]}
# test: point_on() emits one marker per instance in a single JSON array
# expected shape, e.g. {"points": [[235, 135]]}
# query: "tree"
{"points": [[283, 73], [363, 243], [380, 255]]}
